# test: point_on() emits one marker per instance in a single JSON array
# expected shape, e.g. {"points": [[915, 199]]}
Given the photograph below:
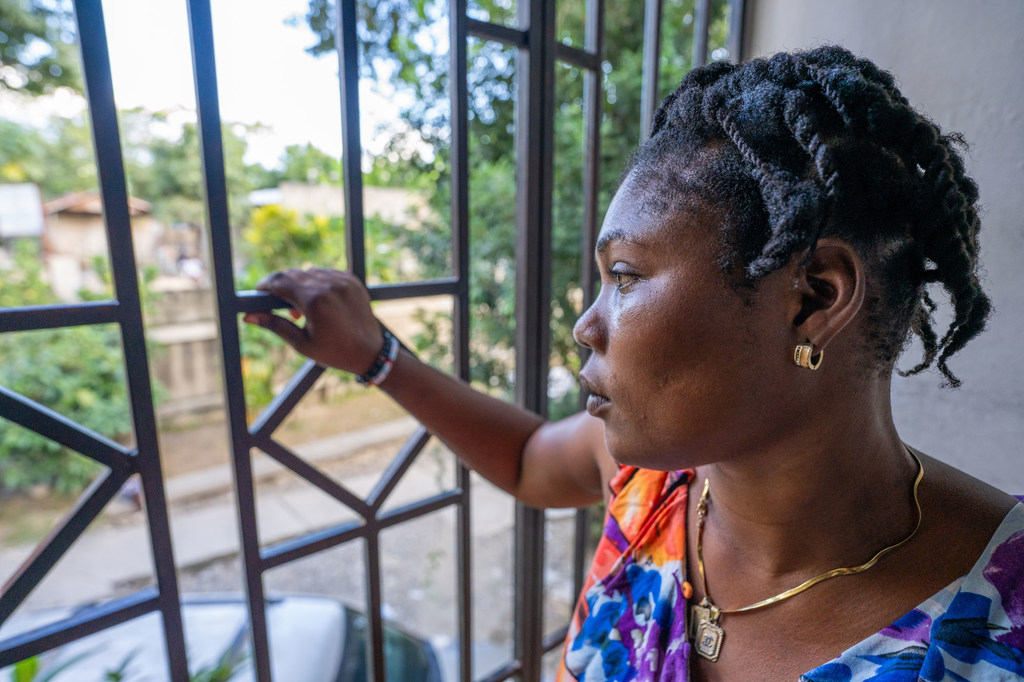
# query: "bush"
{"points": [[75, 371]]}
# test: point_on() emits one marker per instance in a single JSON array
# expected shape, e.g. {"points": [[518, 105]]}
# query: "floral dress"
{"points": [[630, 620]]}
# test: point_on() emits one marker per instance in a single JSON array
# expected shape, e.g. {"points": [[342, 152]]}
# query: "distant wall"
{"points": [[962, 63], [394, 204]]}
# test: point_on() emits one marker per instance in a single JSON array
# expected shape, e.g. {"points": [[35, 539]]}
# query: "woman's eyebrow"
{"points": [[614, 235]]}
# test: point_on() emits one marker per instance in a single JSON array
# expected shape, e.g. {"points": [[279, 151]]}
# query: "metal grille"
{"points": [[537, 54]]}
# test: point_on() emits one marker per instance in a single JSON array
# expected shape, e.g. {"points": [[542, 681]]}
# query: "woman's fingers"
{"points": [[340, 328], [285, 285], [293, 335]]}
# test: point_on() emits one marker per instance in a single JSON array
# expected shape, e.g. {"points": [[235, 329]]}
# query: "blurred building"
{"points": [[75, 239], [394, 204]]}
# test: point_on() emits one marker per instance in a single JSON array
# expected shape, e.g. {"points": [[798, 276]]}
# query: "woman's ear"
{"points": [[830, 289]]}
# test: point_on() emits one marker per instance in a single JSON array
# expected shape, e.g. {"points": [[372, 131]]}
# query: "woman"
{"points": [[765, 519]]}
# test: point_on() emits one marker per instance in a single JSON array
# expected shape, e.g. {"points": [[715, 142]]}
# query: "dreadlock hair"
{"points": [[821, 143]]}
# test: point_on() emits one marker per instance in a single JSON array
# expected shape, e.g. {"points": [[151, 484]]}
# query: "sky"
{"points": [[264, 74]]}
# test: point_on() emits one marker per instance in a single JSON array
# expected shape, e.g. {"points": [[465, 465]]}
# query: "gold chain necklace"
{"points": [[705, 631]]}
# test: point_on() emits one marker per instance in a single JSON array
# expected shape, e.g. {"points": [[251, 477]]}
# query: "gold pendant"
{"points": [[707, 635]]}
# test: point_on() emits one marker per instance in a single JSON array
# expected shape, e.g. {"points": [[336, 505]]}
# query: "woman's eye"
{"points": [[623, 280]]}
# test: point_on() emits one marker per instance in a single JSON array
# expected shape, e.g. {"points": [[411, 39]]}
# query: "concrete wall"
{"points": [[961, 63], [394, 204]]}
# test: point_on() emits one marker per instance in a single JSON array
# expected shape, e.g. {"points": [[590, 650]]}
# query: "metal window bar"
{"points": [[144, 459]]}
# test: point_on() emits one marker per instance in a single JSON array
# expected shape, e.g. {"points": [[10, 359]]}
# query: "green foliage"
{"points": [[305, 163], [277, 238], [166, 170], [30, 155], [38, 48], [76, 371]]}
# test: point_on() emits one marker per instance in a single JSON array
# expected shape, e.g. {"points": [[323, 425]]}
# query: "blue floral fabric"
{"points": [[972, 630]]}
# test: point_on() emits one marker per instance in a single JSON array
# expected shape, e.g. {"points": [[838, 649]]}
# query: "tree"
{"points": [[31, 155], [306, 163], [38, 49], [167, 171]]}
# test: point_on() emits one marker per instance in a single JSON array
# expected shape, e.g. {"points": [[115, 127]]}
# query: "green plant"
{"points": [[76, 371]]}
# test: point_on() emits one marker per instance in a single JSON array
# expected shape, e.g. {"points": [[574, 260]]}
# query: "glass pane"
{"points": [[316, 616], [349, 432], [492, 205], [718, 31], [288, 506], [406, 114], [77, 372], [549, 664], [677, 26], [493, 514], [418, 565], [559, 541], [40, 484], [570, 22], [621, 85], [431, 473], [567, 202], [159, 140], [111, 559], [282, 152], [502, 12]]}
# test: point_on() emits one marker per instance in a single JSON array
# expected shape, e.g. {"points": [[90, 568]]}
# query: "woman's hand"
{"points": [[340, 329]]}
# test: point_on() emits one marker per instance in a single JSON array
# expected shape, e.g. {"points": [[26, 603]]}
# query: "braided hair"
{"points": [[821, 143]]}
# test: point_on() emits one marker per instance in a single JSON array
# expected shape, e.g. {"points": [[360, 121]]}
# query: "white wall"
{"points": [[962, 63]]}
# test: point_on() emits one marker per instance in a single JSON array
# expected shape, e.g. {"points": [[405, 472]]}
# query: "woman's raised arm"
{"points": [[544, 464]]}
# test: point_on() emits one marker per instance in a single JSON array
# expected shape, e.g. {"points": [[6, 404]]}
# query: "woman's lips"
{"points": [[596, 401]]}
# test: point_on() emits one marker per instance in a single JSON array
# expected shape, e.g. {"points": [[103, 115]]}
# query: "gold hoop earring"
{"points": [[804, 356]]}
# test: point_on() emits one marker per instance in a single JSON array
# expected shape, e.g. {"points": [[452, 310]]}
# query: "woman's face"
{"points": [[684, 370]]}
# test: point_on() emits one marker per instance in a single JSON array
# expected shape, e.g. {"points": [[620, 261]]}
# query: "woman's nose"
{"points": [[589, 331]]}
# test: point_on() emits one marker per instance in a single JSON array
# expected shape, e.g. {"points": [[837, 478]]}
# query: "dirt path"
{"points": [[204, 442]]}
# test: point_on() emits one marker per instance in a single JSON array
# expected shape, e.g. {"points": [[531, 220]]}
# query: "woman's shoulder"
{"points": [[962, 500], [960, 516], [973, 628]]}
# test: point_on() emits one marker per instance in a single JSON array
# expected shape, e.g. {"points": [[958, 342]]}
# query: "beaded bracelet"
{"points": [[381, 367]]}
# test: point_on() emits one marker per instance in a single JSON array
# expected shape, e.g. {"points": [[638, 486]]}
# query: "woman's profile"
{"points": [[770, 252]]}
